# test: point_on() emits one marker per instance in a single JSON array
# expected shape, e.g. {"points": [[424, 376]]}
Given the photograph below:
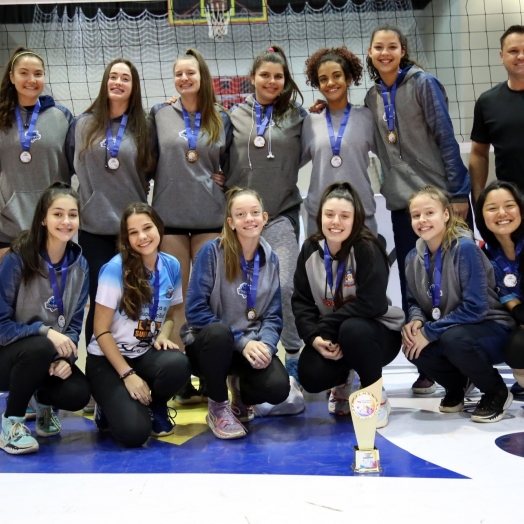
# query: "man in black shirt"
{"points": [[499, 120]]}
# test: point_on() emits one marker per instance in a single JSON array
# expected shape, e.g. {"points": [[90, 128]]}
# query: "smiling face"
{"points": [[338, 215], [332, 83], [187, 77], [501, 213], [61, 220], [269, 82], [119, 84], [512, 55], [28, 79], [429, 220], [143, 236], [385, 52], [247, 217]]}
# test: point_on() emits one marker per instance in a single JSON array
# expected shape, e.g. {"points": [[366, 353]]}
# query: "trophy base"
{"points": [[366, 461]]}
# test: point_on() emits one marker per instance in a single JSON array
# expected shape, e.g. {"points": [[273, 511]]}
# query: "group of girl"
{"points": [[187, 146]]}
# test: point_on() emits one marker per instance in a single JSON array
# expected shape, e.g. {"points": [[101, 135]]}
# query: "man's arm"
{"points": [[478, 168]]}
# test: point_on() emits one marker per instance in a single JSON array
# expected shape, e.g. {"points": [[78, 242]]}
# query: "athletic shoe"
{"points": [[516, 389], [292, 368], [188, 395], [15, 437], [338, 402], [30, 413], [492, 406], [385, 410], [453, 402], [222, 421], [100, 419], [90, 407], [423, 385], [202, 390], [243, 412], [469, 387], [47, 423], [162, 422]]}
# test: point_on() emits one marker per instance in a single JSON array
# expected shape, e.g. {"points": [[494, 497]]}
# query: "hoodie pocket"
{"points": [[18, 212]]}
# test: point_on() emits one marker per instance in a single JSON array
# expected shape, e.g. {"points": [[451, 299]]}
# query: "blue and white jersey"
{"points": [[134, 338]]}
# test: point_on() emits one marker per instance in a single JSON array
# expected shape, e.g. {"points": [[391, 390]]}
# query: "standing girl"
{"points": [[456, 326], [110, 147], [131, 364], [339, 139], [32, 142], [234, 318], [415, 143], [42, 299], [340, 303], [498, 214], [265, 156]]}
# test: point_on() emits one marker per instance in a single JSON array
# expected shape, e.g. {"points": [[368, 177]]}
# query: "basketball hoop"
{"points": [[217, 16]]}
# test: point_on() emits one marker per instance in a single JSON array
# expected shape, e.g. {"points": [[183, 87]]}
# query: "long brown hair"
{"points": [[137, 122], [29, 244], [211, 120], [137, 290], [228, 240], [8, 94], [286, 101]]}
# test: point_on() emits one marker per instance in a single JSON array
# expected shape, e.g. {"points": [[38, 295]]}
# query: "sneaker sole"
{"points": [[14, 450], [162, 433], [249, 418], [452, 409], [46, 434], [223, 436], [424, 391], [497, 416], [188, 401]]}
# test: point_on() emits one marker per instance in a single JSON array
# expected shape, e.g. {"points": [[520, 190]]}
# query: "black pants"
{"points": [[367, 346], [214, 357], [466, 350], [514, 350], [24, 370], [166, 373], [97, 250]]}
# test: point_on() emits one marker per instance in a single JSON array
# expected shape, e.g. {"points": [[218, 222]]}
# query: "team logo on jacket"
{"points": [[51, 304], [349, 279], [169, 291], [243, 289], [35, 136]]}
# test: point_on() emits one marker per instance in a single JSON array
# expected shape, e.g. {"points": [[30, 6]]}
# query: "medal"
{"points": [[435, 313], [509, 267], [251, 314], [61, 321], [336, 159], [113, 163], [510, 280], [259, 141], [391, 137], [191, 155], [437, 277], [389, 110], [58, 293], [25, 157]]}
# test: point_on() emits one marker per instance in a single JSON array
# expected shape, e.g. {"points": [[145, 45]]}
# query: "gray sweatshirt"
{"points": [[185, 195], [357, 141], [276, 178], [22, 184], [104, 192]]}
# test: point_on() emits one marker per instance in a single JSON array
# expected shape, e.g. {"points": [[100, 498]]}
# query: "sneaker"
{"points": [[385, 410], [469, 387], [162, 421], [453, 402], [47, 423], [292, 369], [516, 389], [15, 437], [90, 407], [222, 421], [338, 402], [423, 385], [30, 413], [100, 419], [243, 412], [202, 390], [188, 395], [492, 406]]}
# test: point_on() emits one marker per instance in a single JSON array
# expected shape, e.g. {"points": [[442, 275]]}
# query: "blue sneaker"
{"points": [[517, 389], [292, 369], [100, 419], [15, 437], [47, 423], [162, 422]]}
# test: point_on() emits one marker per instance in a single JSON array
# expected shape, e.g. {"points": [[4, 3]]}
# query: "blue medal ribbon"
{"points": [[252, 287], [329, 271], [25, 138], [335, 144], [58, 293], [153, 307], [113, 151], [504, 263], [192, 133], [437, 280], [262, 124], [389, 105]]}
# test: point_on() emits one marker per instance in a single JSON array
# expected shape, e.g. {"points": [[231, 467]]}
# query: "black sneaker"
{"points": [[188, 395], [453, 402], [492, 406], [423, 385]]}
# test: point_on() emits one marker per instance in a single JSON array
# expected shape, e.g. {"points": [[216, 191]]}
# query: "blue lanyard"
{"points": [[504, 263], [116, 142], [435, 287], [262, 124], [253, 287], [192, 133], [58, 293], [153, 308], [25, 138], [335, 144], [329, 271], [389, 105]]}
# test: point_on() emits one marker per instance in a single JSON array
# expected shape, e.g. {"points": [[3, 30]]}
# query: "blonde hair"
{"points": [[228, 240], [455, 226]]}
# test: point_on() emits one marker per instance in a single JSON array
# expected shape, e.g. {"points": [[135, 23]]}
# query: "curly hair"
{"points": [[350, 63]]}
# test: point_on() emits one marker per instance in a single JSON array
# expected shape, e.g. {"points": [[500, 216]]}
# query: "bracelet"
{"points": [[101, 334], [130, 371]]}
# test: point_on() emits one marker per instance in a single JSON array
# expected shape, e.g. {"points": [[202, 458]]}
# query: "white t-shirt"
{"points": [[134, 338]]}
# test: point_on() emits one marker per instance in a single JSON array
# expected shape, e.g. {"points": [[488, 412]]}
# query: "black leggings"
{"points": [[367, 346], [166, 373], [514, 350], [97, 250], [24, 370], [213, 356]]}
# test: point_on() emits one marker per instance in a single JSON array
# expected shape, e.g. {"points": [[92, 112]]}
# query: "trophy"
{"points": [[365, 405]]}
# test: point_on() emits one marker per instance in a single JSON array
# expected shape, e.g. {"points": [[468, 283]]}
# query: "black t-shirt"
{"points": [[499, 120]]}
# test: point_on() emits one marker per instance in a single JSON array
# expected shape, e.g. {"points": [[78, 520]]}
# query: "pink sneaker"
{"points": [[223, 422], [243, 413]]}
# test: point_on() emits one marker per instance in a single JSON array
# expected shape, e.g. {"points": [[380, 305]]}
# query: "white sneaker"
{"points": [[338, 403], [385, 410]]}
